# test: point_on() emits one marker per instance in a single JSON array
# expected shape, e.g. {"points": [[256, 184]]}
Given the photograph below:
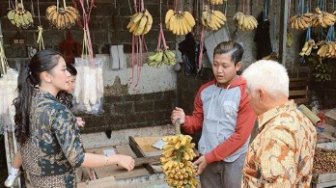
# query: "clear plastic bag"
{"points": [[8, 92], [89, 87]]}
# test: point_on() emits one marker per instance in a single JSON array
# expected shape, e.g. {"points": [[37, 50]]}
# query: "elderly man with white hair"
{"points": [[282, 153]]}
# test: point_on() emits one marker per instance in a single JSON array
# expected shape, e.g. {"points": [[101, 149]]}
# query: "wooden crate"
{"points": [[114, 176], [322, 180], [142, 147]]}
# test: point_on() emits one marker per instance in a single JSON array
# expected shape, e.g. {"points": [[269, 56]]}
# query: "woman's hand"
{"points": [[125, 161], [80, 122]]}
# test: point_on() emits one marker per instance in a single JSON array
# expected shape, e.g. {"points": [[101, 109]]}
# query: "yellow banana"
{"points": [[169, 15]]}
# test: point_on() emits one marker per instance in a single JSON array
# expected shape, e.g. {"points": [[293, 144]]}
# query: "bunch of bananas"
{"points": [[322, 18], [212, 19], [308, 47], [140, 23], [245, 22], [62, 17], [216, 2], [176, 161], [301, 21], [327, 50], [160, 57], [20, 17], [180, 23]]}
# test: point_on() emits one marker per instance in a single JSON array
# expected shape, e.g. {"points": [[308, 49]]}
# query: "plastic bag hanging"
{"points": [[8, 85], [89, 86]]}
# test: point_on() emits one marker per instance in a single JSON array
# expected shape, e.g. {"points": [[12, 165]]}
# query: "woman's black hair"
{"points": [[29, 79], [232, 47], [71, 69]]}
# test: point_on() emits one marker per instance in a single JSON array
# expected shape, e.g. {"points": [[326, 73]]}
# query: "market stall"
{"points": [[138, 60]]}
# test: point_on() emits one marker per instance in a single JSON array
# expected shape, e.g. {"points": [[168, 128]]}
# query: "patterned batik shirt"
{"points": [[53, 149], [282, 153]]}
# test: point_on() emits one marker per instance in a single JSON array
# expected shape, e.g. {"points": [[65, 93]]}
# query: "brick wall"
{"points": [[132, 111], [187, 87]]}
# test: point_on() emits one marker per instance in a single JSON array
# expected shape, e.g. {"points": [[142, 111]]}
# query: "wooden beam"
{"points": [[104, 1], [139, 153], [283, 31]]}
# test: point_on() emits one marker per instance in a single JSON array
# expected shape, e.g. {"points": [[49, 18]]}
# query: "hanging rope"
{"points": [[87, 50]]}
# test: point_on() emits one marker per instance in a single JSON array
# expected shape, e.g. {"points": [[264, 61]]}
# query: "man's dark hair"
{"points": [[234, 48]]}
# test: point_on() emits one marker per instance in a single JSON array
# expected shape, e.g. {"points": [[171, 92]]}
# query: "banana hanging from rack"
{"points": [[162, 57], [327, 49], [180, 23], [308, 47], [20, 17], [245, 22], [301, 22], [212, 19], [62, 17], [323, 19], [216, 2], [140, 23]]}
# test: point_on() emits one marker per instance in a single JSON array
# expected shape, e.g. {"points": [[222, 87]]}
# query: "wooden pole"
{"points": [[283, 31]]}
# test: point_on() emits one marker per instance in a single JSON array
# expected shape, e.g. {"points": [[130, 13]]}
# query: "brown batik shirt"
{"points": [[282, 153]]}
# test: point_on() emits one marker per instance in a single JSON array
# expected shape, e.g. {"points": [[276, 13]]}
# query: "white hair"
{"points": [[268, 75]]}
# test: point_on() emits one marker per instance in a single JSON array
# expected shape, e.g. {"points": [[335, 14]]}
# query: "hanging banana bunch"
{"points": [[303, 19], [62, 17], [20, 17], [309, 45], [3, 60], [176, 158], [301, 22], [328, 48], [212, 19], [180, 23], [323, 18], [216, 2], [162, 55], [140, 23], [245, 22]]}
